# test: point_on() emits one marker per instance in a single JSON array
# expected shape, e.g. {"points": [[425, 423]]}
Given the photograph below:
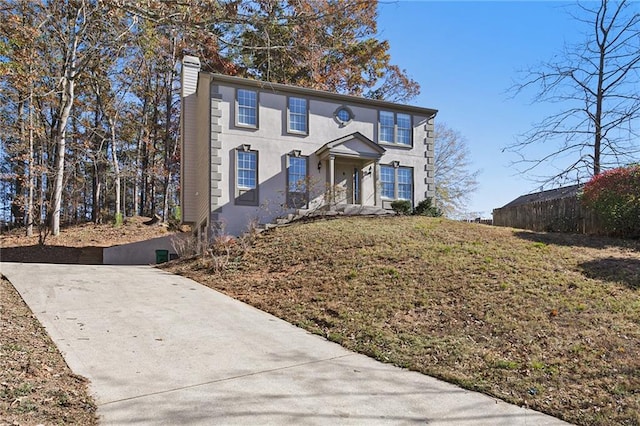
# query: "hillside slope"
{"points": [[549, 321]]}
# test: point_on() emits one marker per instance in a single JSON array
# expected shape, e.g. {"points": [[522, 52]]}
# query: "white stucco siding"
{"points": [[211, 138], [419, 157], [324, 127], [273, 142], [272, 120]]}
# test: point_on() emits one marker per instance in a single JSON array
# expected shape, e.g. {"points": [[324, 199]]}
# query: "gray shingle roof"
{"points": [[552, 194]]}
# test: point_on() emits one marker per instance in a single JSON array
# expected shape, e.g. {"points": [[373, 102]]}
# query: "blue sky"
{"points": [[466, 55]]}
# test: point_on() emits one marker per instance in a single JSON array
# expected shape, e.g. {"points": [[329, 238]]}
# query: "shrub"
{"points": [[175, 219], [426, 208], [176, 214], [118, 219], [402, 207], [614, 196]]}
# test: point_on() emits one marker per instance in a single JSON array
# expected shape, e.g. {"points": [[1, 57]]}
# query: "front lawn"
{"points": [[548, 321]]}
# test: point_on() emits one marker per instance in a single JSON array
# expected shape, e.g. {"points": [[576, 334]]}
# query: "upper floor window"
{"points": [[387, 127], [395, 128], [298, 115], [403, 129], [247, 107], [343, 115]]}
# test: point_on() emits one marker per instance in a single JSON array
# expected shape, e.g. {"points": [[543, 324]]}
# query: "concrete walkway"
{"points": [[162, 349]]}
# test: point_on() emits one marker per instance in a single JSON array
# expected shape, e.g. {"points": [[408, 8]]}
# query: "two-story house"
{"points": [[253, 151]]}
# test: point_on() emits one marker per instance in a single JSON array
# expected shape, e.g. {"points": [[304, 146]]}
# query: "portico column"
{"points": [[332, 180], [377, 188]]}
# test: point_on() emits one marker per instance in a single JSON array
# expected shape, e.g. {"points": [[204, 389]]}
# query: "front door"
{"points": [[347, 181]]}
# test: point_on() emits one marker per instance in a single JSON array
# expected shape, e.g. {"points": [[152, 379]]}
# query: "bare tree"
{"points": [[78, 33], [594, 85], [454, 180]]}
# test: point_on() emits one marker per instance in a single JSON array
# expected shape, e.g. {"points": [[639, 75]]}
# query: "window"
{"points": [[247, 108], [297, 180], [405, 183], [396, 182], [297, 115], [403, 129], [247, 167], [246, 176], [395, 128], [387, 127], [388, 181], [343, 115], [297, 174]]}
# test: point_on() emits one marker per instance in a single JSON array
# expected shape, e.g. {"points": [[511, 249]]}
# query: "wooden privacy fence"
{"points": [[557, 215]]}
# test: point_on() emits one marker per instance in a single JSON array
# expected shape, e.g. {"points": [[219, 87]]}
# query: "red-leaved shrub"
{"points": [[615, 198]]}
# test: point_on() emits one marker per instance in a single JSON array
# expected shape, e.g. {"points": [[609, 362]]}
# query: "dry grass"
{"points": [[90, 234], [548, 321], [36, 386]]}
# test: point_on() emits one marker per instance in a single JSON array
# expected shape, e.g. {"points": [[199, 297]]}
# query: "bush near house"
{"points": [[424, 208], [615, 198], [402, 207]]}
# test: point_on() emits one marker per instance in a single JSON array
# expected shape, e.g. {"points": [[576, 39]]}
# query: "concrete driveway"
{"points": [[162, 349]]}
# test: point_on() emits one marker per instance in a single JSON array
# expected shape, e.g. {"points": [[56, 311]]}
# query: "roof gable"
{"points": [[353, 145]]}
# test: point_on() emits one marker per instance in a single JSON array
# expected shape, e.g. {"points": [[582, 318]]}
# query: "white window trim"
{"points": [[237, 189], [289, 129], [237, 110], [396, 184], [296, 154], [395, 130]]}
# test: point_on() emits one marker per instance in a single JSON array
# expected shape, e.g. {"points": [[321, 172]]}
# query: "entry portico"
{"points": [[351, 164]]}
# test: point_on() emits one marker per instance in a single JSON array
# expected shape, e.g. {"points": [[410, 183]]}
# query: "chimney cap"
{"points": [[191, 61]]}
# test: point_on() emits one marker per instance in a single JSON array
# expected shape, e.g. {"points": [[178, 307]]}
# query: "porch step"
{"points": [[338, 210], [358, 210]]}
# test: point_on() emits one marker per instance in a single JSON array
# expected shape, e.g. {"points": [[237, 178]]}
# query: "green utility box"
{"points": [[162, 256]]}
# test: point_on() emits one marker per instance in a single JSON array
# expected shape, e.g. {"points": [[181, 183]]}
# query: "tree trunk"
{"points": [[19, 168], [150, 164], [138, 181], [597, 119], [68, 93], [42, 189], [31, 175], [116, 166], [169, 147]]}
